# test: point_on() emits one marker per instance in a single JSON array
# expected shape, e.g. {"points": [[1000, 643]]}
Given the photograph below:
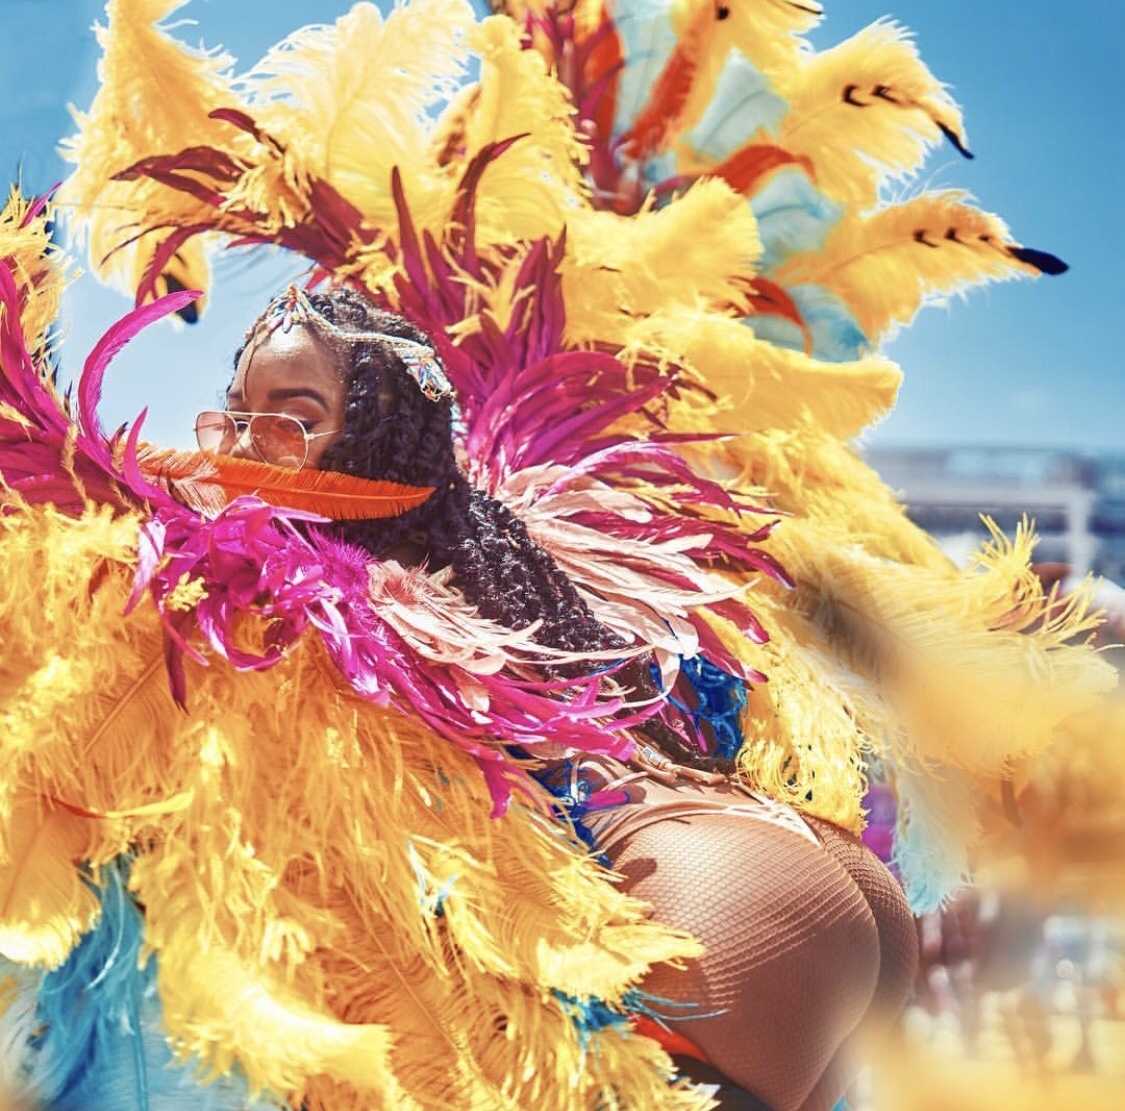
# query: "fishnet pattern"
{"points": [[795, 947]]}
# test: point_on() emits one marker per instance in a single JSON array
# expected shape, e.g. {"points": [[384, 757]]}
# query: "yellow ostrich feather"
{"points": [[885, 265], [974, 666], [44, 904], [865, 110], [815, 476], [38, 268], [220, 1010], [310, 895], [353, 99], [762, 386], [618, 269], [802, 743], [141, 65], [532, 188], [769, 32]]}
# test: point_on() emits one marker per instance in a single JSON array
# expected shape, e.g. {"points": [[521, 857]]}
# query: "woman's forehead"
{"points": [[288, 358]]}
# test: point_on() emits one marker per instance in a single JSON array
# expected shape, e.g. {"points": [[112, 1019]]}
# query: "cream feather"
{"points": [[353, 98]]}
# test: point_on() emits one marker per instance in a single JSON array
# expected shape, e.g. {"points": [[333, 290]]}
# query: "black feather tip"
{"points": [[955, 139], [1043, 261], [189, 314]]}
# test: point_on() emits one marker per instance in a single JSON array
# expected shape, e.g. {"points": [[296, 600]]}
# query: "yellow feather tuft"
{"points": [[887, 264], [865, 109], [45, 906], [762, 386], [221, 1010], [533, 187], [178, 87], [325, 92], [38, 268], [769, 32], [975, 666], [618, 269]]}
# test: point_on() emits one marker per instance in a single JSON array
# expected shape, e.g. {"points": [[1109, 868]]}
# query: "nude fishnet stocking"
{"points": [[802, 942]]}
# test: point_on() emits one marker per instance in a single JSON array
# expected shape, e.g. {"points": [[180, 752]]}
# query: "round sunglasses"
{"points": [[275, 438]]}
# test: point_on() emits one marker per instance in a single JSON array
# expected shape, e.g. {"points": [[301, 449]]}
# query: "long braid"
{"points": [[392, 431]]}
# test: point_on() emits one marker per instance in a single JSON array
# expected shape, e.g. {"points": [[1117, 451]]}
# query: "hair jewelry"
{"points": [[421, 362]]}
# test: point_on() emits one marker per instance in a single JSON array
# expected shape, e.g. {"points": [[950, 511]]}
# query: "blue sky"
{"points": [[1030, 363]]}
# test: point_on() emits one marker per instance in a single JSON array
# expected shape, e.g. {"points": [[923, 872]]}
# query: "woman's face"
{"points": [[293, 373]]}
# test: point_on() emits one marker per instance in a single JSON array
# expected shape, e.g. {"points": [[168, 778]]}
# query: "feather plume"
{"points": [[141, 65], [769, 33], [886, 265], [976, 665], [618, 269], [323, 93], [38, 268], [532, 187], [866, 110], [761, 385], [44, 904], [209, 482]]}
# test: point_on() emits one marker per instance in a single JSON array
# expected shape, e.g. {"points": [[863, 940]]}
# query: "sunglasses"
{"points": [[275, 438]]}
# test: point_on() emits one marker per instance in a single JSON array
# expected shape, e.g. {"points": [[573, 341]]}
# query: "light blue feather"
{"points": [[655, 171], [836, 335], [932, 861], [18, 1024], [101, 1040], [742, 104], [793, 217], [647, 42]]}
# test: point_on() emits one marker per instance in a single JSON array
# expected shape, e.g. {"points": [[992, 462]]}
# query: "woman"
{"points": [[809, 941]]}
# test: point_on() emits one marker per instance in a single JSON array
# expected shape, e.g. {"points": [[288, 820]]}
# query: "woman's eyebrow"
{"points": [[288, 394]]}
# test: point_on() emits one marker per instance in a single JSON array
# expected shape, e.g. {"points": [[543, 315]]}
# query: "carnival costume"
{"points": [[271, 831]]}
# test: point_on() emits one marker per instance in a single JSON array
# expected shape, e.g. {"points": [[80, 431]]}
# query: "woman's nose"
{"points": [[243, 448]]}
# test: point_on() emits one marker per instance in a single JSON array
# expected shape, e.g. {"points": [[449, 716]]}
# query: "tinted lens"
{"points": [[279, 440], [216, 432]]}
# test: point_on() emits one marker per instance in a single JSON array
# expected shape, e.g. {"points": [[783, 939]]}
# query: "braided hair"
{"points": [[392, 431]]}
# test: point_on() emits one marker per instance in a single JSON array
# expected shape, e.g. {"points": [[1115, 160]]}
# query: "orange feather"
{"points": [[208, 482], [747, 166]]}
